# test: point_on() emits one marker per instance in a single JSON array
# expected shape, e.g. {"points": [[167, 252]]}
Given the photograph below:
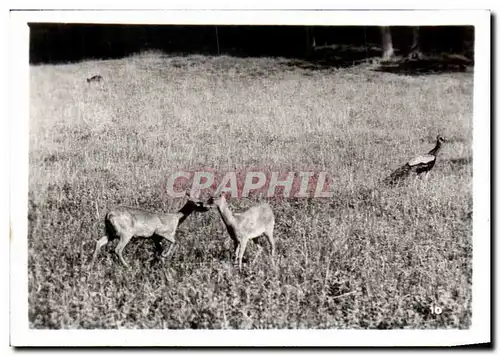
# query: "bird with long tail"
{"points": [[420, 165]]}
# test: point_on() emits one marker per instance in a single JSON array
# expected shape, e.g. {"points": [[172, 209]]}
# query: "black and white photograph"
{"points": [[228, 174]]}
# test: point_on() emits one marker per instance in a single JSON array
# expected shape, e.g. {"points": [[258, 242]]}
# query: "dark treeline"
{"points": [[50, 43]]}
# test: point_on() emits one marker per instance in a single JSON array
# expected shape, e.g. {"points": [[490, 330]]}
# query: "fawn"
{"points": [[125, 223], [249, 224]]}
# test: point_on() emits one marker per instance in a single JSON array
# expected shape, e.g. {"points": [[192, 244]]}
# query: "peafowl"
{"points": [[419, 165]]}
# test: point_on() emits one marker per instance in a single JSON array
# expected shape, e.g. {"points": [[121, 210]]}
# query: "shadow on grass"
{"points": [[438, 64], [464, 161], [336, 56], [457, 166], [458, 163]]}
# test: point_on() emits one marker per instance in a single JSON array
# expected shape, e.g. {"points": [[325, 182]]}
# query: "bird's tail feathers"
{"points": [[398, 175]]}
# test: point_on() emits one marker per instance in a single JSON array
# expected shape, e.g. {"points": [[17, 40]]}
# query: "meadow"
{"points": [[371, 256]]}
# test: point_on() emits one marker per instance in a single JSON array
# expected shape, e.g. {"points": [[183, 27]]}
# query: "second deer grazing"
{"points": [[249, 224], [125, 223]]}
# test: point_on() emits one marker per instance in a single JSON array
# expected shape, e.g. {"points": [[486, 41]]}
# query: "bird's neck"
{"points": [[436, 149]]}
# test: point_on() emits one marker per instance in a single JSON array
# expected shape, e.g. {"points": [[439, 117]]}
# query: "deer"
{"points": [[250, 224], [125, 223]]}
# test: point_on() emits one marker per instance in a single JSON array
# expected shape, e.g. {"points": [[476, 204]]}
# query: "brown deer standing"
{"points": [[125, 223], [249, 224]]}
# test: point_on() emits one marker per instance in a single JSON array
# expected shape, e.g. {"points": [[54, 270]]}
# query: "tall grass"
{"points": [[369, 257]]}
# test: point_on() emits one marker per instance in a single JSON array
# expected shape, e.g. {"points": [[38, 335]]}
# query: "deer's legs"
{"points": [[121, 245], [241, 251], [269, 235], [158, 245], [259, 247], [236, 251], [169, 237], [172, 243], [102, 241], [270, 239]]}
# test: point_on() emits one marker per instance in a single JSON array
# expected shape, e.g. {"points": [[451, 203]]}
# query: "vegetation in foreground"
{"points": [[369, 257]]}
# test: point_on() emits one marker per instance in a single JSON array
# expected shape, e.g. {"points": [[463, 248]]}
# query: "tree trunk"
{"points": [[387, 49], [415, 52], [309, 44]]}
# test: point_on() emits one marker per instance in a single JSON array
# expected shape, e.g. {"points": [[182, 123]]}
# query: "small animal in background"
{"points": [[244, 226], [421, 165], [94, 79]]}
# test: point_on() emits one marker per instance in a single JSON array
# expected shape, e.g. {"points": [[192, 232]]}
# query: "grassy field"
{"points": [[371, 256]]}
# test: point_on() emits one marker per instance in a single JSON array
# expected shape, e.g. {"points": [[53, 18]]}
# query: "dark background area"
{"points": [[55, 43]]}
